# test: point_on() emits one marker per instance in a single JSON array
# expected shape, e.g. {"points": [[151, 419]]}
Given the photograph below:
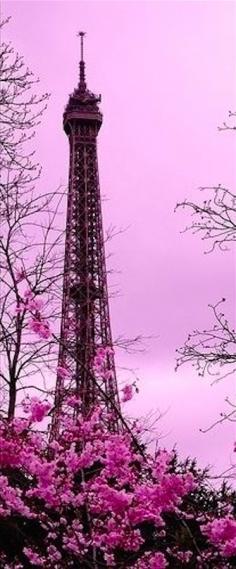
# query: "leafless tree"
{"points": [[213, 351], [20, 112], [30, 241], [31, 268]]}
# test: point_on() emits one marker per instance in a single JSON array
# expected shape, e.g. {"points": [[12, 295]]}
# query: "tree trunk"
{"points": [[12, 400]]}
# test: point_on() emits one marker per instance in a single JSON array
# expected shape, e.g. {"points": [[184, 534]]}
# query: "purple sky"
{"points": [[166, 74]]}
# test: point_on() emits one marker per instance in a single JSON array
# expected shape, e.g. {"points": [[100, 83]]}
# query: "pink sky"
{"points": [[166, 74]]}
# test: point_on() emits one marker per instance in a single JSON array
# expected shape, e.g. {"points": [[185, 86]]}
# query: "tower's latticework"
{"points": [[85, 325]]}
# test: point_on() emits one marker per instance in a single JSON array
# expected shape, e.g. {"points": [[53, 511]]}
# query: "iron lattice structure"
{"points": [[85, 324]]}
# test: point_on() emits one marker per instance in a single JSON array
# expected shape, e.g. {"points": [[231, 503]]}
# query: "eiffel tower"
{"points": [[85, 323]]}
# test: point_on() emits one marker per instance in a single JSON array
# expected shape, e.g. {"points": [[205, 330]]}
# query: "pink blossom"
{"points": [[222, 533], [109, 375], [40, 328], [11, 499], [19, 307], [161, 463], [20, 275], [109, 350], [91, 472], [110, 559], [36, 408], [39, 409], [35, 304], [28, 294], [33, 557], [9, 453], [29, 302], [73, 401], [110, 498], [152, 561], [101, 353], [20, 425], [127, 393], [98, 362], [104, 351], [53, 553], [63, 372]]}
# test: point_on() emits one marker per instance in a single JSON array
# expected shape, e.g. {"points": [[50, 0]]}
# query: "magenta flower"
{"points": [[127, 393], [222, 533], [152, 561], [63, 372], [33, 557], [35, 304], [40, 328], [35, 408], [28, 294], [109, 375], [38, 409], [20, 275], [73, 401], [19, 307]]}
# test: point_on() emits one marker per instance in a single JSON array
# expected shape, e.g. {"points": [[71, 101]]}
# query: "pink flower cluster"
{"points": [[29, 302], [127, 393], [222, 533], [63, 372], [101, 363], [33, 557], [35, 408], [34, 306], [91, 491], [152, 561], [40, 328], [20, 274]]}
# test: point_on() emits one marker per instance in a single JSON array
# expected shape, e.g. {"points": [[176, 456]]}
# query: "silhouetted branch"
{"points": [[131, 345], [224, 415], [215, 218], [226, 126], [211, 350], [20, 112]]}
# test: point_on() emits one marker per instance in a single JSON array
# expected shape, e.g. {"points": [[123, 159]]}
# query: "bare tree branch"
{"points": [[213, 351], [227, 126], [215, 218]]}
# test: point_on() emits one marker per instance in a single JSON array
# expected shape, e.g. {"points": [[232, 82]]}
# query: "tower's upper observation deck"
{"points": [[82, 104]]}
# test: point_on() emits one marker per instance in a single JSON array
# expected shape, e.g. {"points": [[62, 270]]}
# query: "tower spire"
{"points": [[82, 82]]}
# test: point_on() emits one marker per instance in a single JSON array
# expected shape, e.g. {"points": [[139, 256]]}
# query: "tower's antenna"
{"points": [[81, 34], [82, 83]]}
